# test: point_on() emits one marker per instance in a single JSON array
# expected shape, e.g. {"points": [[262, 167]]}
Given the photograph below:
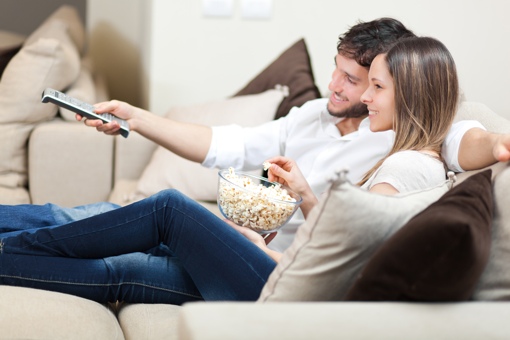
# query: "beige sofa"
{"points": [[69, 164]]}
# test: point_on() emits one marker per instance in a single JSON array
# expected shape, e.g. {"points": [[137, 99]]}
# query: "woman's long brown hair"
{"points": [[426, 95]]}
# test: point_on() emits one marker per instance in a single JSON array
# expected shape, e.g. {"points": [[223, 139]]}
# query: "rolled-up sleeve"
{"points": [[451, 145], [243, 147]]}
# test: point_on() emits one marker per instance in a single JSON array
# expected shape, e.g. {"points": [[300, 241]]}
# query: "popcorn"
{"points": [[258, 207], [266, 165]]}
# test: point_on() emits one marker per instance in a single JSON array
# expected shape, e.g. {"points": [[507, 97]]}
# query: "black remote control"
{"points": [[82, 108]]}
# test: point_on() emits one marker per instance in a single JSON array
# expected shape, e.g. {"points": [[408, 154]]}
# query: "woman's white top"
{"points": [[407, 171]]}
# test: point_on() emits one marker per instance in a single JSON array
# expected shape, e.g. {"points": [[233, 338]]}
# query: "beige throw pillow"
{"points": [[82, 89], [482, 113], [167, 170], [340, 235], [70, 17], [51, 60]]}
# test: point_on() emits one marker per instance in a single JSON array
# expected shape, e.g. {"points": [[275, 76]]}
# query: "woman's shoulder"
{"points": [[411, 170], [410, 156]]}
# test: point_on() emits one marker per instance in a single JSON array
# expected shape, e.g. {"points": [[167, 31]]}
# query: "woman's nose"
{"points": [[365, 97]]}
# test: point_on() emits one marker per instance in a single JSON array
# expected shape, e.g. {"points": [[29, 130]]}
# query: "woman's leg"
{"points": [[134, 278], [15, 218], [222, 263]]}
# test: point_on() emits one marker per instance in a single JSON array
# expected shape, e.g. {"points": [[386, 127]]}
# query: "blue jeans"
{"points": [[104, 257]]}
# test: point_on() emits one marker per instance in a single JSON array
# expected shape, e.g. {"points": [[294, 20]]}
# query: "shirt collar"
{"points": [[328, 125]]}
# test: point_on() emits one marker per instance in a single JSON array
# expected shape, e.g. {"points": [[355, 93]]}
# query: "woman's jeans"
{"points": [[110, 256]]}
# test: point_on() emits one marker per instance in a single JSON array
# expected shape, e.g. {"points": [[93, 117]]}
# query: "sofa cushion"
{"points": [[494, 284], [345, 320], [149, 321], [167, 170], [341, 233], [292, 69], [439, 254], [27, 313]]}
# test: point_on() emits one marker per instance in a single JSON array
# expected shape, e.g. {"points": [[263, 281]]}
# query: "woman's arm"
{"points": [[384, 189]]}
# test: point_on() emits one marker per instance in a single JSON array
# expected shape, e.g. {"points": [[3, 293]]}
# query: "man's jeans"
{"points": [[110, 256]]}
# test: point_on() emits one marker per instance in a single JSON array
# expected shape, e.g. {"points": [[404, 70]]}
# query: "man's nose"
{"points": [[337, 84]]}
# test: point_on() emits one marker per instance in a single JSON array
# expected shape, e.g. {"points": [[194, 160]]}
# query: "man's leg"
{"points": [[15, 218]]}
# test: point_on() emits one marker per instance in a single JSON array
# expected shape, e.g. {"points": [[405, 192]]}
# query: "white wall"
{"points": [[192, 59], [120, 45]]}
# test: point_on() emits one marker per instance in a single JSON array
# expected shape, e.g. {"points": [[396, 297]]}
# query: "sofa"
{"points": [[61, 161]]}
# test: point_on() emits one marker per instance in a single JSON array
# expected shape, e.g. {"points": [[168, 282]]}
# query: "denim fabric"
{"points": [[88, 257], [15, 218]]}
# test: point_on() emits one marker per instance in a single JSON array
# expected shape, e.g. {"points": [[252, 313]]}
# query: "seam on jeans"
{"points": [[99, 284]]}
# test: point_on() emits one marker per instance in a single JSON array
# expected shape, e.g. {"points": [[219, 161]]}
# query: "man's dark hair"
{"points": [[365, 40]]}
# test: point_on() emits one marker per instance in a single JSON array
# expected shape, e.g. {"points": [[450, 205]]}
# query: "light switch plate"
{"points": [[256, 9], [218, 8]]}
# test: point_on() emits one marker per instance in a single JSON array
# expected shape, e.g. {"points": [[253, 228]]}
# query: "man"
{"points": [[321, 136]]}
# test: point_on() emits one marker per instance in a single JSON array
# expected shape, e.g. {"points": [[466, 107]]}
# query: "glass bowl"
{"points": [[255, 202]]}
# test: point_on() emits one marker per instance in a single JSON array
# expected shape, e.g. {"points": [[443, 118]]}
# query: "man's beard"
{"points": [[355, 111]]}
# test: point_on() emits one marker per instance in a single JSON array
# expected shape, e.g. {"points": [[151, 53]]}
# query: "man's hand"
{"points": [[501, 148], [117, 108]]}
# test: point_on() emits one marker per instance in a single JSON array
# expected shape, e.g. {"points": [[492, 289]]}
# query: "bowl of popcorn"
{"points": [[255, 202]]}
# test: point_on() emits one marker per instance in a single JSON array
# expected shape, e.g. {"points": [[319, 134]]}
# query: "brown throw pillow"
{"points": [[292, 69], [439, 255]]}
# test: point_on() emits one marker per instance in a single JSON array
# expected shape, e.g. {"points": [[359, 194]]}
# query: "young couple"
{"points": [[410, 88]]}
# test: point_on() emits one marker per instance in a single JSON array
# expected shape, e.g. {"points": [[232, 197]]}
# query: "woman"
{"points": [[210, 260]]}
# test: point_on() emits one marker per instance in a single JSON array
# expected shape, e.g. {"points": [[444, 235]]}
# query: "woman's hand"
{"points": [[257, 239], [117, 108], [285, 171]]}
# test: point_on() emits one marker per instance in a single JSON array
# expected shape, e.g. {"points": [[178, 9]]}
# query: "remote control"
{"points": [[82, 108]]}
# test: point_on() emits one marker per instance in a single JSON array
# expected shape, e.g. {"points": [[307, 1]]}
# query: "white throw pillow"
{"points": [[339, 236], [167, 170]]}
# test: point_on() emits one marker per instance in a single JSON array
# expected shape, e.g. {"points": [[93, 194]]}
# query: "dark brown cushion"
{"points": [[292, 69], [439, 254]]}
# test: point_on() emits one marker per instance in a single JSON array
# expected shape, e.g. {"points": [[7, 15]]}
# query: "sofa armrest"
{"points": [[69, 164], [344, 320]]}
